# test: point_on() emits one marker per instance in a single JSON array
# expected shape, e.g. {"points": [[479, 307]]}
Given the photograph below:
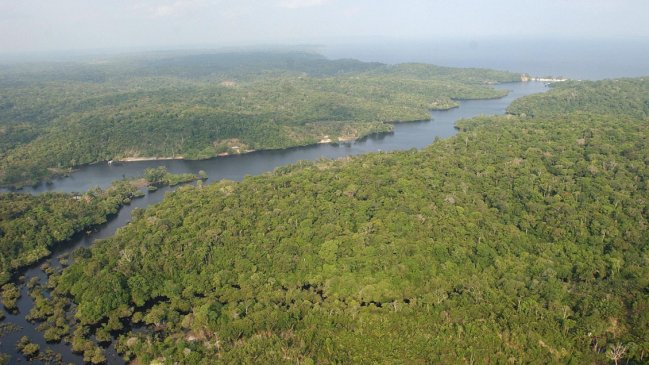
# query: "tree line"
{"points": [[521, 239], [56, 117]]}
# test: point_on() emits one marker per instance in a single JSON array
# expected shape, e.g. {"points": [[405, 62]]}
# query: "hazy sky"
{"points": [[43, 25]]}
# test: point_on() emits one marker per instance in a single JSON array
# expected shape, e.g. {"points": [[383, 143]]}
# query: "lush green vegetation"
{"points": [[30, 225], [522, 239], [160, 176], [55, 117], [30, 350], [9, 295], [27, 348], [623, 96]]}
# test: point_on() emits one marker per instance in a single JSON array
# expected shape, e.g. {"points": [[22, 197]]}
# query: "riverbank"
{"points": [[61, 256], [402, 135], [235, 167], [136, 159], [34, 234]]}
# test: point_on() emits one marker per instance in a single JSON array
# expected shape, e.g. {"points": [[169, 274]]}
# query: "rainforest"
{"points": [[524, 238], [324, 182], [58, 116]]}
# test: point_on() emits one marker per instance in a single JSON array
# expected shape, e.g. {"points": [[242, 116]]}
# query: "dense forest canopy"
{"points": [[522, 239], [57, 116], [620, 96], [31, 225]]}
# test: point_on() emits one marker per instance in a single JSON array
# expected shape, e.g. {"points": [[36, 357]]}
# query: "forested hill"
{"points": [[57, 116], [522, 239], [621, 96]]}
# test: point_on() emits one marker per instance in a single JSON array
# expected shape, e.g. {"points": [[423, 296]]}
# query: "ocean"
{"points": [[581, 59]]}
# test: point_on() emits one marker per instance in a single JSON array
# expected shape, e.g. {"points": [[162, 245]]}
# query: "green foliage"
{"points": [[622, 96], [54, 117], [160, 176], [27, 348], [51, 311], [92, 353], [10, 295], [30, 225], [519, 240]]}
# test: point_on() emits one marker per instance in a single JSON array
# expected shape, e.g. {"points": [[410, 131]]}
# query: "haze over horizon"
{"points": [[45, 26]]}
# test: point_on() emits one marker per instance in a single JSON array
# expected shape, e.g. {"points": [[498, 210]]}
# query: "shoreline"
{"points": [[226, 154], [324, 139], [135, 159], [125, 211]]}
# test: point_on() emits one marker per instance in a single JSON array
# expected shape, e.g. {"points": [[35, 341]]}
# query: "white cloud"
{"points": [[295, 4]]}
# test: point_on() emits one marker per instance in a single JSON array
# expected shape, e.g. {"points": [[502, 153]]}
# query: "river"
{"points": [[405, 136]]}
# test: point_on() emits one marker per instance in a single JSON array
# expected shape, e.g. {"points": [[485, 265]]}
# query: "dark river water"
{"points": [[405, 136]]}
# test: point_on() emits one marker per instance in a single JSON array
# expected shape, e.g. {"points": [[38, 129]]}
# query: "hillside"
{"points": [[619, 96], [57, 116], [522, 239]]}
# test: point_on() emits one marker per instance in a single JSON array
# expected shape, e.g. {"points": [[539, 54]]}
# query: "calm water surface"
{"points": [[405, 136], [583, 59]]}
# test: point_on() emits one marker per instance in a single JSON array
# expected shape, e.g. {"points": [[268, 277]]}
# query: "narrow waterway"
{"points": [[405, 136]]}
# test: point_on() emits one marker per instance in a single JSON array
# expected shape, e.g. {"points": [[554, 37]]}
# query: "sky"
{"points": [[59, 25]]}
